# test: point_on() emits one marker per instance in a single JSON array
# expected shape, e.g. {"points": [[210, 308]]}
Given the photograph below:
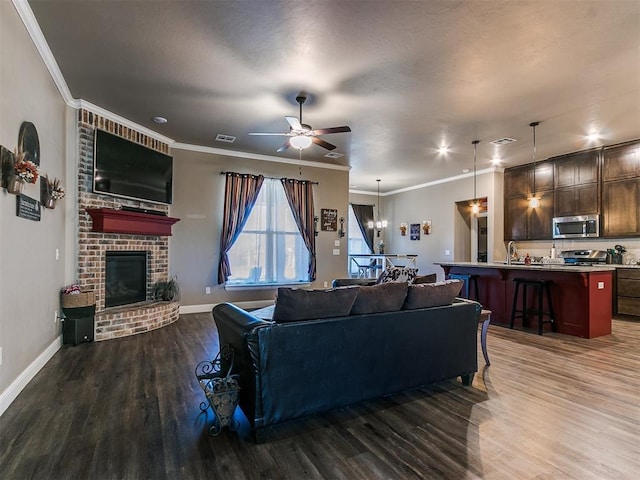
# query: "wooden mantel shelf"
{"points": [[108, 220]]}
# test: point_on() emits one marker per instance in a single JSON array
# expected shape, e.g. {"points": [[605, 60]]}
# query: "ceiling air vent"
{"points": [[225, 138], [334, 155], [503, 141]]}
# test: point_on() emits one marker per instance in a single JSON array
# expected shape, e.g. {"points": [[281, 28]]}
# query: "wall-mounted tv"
{"points": [[127, 169]]}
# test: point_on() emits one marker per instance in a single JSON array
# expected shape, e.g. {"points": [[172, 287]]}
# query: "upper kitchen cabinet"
{"points": [[621, 162], [576, 184], [521, 222], [621, 191]]}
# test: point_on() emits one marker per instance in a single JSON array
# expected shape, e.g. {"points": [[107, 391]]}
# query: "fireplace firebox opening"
{"points": [[126, 278]]}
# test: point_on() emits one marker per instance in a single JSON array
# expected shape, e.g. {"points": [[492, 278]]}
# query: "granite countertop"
{"points": [[536, 266]]}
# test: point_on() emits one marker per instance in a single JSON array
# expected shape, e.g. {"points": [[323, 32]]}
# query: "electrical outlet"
{"points": [[326, 284], [600, 285], [447, 252], [0, 355], [57, 254], [207, 290], [55, 316]]}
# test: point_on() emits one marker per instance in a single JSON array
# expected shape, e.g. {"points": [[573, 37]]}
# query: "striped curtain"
{"points": [[364, 215], [240, 194], [300, 197]]}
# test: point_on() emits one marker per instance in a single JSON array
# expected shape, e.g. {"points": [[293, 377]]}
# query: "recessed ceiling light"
{"points": [[443, 149], [159, 120], [465, 170], [593, 137], [495, 160], [334, 155]]}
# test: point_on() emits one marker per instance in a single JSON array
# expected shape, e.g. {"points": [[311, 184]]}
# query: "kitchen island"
{"points": [[582, 295]]}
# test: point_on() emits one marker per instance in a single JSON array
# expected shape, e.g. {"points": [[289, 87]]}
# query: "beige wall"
{"points": [[438, 204], [30, 275], [198, 191]]}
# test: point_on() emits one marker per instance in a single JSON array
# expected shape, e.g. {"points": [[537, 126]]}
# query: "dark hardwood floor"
{"points": [[548, 407]]}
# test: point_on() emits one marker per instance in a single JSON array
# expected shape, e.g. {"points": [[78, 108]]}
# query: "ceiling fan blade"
{"points": [[322, 143], [294, 122], [324, 131], [279, 134], [284, 147]]}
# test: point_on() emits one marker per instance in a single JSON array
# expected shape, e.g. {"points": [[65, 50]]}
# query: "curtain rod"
{"points": [[270, 178]]}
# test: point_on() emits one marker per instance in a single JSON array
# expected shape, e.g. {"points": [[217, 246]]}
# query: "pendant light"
{"points": [[475, 206], [534, 201], [380, 224]]}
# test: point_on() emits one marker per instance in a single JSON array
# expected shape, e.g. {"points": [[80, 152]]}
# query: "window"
{"points": [[270, 249], [357, 244]]}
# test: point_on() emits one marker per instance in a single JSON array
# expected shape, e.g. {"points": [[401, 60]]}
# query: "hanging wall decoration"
{"points": [[329, 221], [29, 143], [415, 231]]}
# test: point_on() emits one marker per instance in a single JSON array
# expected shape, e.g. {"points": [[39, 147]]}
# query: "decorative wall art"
{"points": [[426, 227], [27, 207], [329, 220], [29, 143], [415, 231]]}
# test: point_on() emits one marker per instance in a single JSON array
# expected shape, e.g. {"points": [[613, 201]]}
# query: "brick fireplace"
{"points": [[93, 245]]}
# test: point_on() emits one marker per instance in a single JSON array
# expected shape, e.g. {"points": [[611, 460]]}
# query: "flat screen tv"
{"points": [[127, 169]]}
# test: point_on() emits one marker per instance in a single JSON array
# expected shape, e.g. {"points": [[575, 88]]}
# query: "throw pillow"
{"points": [[293, 304], [397, 274], [383, 297], [430, 278], [432, 294]]}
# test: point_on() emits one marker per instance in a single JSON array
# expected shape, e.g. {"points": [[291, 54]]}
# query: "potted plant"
{"points": [[51, 191], [166, 290]]}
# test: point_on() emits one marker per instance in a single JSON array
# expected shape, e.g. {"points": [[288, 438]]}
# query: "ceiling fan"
{"points": [[301, 135]]}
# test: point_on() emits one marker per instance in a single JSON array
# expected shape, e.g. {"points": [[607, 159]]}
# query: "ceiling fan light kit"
{"points": [[302, 135]]}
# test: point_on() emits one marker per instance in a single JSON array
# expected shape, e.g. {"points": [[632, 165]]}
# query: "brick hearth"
{"points": [[92, 246]]}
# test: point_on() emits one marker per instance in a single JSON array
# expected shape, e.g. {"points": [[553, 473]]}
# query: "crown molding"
{"points": [[31, 24], [257, 156], [431, 184], [83, 104]]}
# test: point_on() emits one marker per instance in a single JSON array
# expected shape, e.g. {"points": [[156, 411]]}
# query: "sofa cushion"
{"points": [[383, 297], [293, 304], [347, 282], [397, 274], [432, 294], [430, 278]]}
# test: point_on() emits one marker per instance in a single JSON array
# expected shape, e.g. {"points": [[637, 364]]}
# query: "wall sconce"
{"points": [[426, 227], [403, 229], [341, 231], [315, 226]]}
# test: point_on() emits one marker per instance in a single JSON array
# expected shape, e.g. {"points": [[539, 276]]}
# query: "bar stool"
{"points": [[485, 318], [542, 288], [466, 288]]}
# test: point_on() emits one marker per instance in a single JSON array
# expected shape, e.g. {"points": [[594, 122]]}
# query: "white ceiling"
{"points": [[406, 76]]}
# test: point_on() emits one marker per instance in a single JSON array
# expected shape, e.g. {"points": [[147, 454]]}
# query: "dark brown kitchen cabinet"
{"points": [[621, 162], [621, 215], [578, 200], [576, 169], [576, 184], [522, 222], [628, 291]]}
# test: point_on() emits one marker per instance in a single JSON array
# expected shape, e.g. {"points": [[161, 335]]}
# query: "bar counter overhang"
{"points": [[582, 295]]}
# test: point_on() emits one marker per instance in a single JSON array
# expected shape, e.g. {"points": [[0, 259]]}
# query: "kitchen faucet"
{"points": [[511, 249]]}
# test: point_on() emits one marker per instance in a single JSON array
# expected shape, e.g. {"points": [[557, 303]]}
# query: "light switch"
{"points": [[336, 243], [447, 252], [336, 251], [600, 285]]}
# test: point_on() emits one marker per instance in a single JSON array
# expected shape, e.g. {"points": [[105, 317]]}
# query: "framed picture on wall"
{"points": [[328, 220], [415, 231]]}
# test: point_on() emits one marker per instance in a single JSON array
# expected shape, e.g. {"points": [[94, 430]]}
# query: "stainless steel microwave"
{"points": [[581, 226]]}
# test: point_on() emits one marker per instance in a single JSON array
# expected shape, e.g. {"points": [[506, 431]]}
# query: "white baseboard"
{"points": [[10, 394], [206, 308]]}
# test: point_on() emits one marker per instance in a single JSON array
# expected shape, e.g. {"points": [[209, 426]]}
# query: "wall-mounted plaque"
{"points": [[329, 220], [27, 207]]}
